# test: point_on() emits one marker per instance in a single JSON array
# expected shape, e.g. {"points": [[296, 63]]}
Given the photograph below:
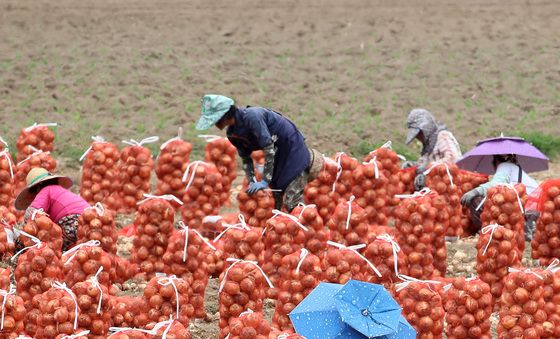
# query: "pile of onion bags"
{"points": [[241, 241], [186, 258], [342, 263], [546, 240], [522, 307], [298, 274], [422, 307], [503, 205], [496, 251], [171, 163], [154, 225], [13, 312], [468, 181], [551, 296], [443, 179], [242, 288], [468, 306], [249, 324], [348, 223], [320, 192], [135, 168], [41, 227], [204, 186], [129, 311], [100, 176], [98, 223], [167, 296], [421, 221], [94, 303], [35, 159], [7, 181], [33, 138], [256, 208], [385, 253], [87, 260], [222, 153]]}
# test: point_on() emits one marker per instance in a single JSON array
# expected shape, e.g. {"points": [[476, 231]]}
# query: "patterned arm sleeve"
{"points": [[248, 168], [448, 147], [269, 153]]}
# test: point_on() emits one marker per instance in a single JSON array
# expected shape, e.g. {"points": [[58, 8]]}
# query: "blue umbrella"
{"points": [[404, 331], [368, 308], [316, 317]]}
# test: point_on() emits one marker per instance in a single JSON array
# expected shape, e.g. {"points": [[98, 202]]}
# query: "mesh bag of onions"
{"points": [[422, 307], [37, 267], [128, 333], [7, 245], [299, 273], [169, 329], [93, 301], [551, 296], [468, 306], [385, 253], [154, 222], [7, 184], [342, 263], [370, 190], [348, 224], [35, 159], [167, 296], [98, 223], [99, 171], [241, 241], [546, 240], [186, 258], [135, 168], [421, 220], [249, 324], [496, 251], [320, 191], [242, 288], [58, 312], [128, 311], [171, 163], [202, 192], [256, 208], [5, 274], [443, 179], [33, 138], [222, 153], [84, 260], [522, 307], [212, 225], [40, 226], [13, 313], [467, 181], [503, 205]]}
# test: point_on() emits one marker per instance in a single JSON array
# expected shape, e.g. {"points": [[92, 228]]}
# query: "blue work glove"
{"points": [[257, 186]]}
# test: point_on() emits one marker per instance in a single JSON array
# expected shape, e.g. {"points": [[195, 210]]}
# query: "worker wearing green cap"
{"points": [[287, 158]]}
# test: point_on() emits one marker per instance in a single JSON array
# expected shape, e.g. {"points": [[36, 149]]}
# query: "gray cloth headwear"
{"points": [[420, 119]]}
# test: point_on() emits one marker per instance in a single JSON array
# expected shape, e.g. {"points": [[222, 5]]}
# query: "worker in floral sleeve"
{"points": [[287, 159], [438, 144]]}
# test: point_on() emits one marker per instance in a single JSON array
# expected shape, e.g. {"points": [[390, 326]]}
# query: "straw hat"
{"points": [[36, 176]]}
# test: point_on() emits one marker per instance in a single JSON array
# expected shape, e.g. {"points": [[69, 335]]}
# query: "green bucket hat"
{"points": [[213, 109]]}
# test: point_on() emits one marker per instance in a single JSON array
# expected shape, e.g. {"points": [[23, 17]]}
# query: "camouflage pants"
{"points": [[293, 194]]}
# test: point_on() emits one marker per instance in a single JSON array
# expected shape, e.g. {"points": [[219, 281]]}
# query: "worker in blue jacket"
{"points": [[287, 158]]}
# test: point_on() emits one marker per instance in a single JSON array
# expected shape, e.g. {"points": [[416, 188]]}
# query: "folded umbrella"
{"points": [[479, 159], [368, 308]]}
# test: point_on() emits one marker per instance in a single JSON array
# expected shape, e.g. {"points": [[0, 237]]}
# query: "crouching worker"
{"points": [[50, 193], [288, 161]]}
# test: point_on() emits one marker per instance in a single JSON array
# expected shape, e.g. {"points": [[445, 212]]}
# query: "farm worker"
{"points": [[287, 159], [50, 193], [508, 171], [438, 144]]}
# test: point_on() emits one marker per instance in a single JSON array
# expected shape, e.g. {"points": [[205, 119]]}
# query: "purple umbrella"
{"points": [[479, 159]]}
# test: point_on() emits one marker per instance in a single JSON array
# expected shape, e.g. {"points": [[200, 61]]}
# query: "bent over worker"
{"points": [[287, 158]]}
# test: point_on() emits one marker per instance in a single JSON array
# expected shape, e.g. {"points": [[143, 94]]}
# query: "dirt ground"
{"points": [[347, 72]]}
